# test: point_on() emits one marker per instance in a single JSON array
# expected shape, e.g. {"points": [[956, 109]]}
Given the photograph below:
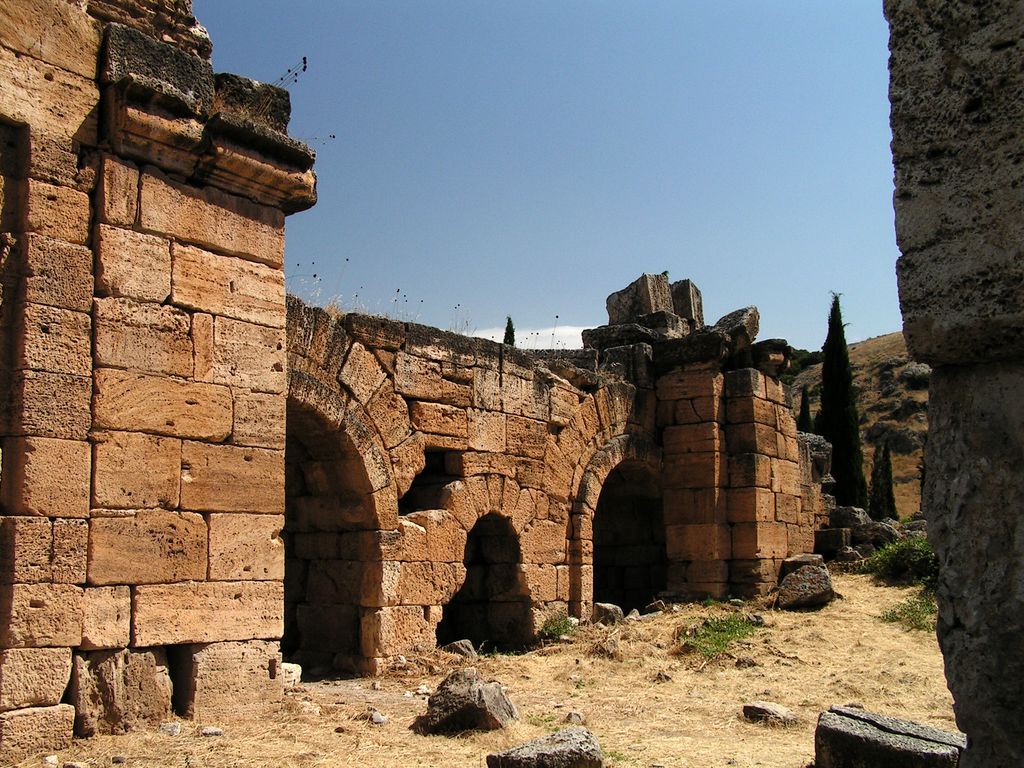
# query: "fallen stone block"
{"points": [[465, 702], [569, 748], [807, 587], [768, 712], [607, 614], [852, 738]]}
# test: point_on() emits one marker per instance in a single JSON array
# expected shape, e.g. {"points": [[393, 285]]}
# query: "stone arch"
{"points": [[636, 455]]}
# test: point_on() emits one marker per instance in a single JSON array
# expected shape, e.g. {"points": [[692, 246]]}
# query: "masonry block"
{"points": [[697, 542], [35, 729], [33, 677], [746, 382], [243, 355], [750, 470], [46, 476], [68, 559], [41, 616], [150, 547], [544, 541], [56, 273], [694, 470], [760, 571], [50, 405], [227, 286], [26, 547], [246, 547], [748, 505], [227, 478], [692, 438], [52, 339], [393, 630], [693, 506], [106, 617], [741, 410], [211, 219], [232, 679], [132, 470], [362, 374], [115, 692], [439, 419], [142, 337], [58, 212], [763, 540], [117, 193], [132, 265], [752, 438], [787, 508], [206, 612], [142, 402], [686, 385], [259, 419]]}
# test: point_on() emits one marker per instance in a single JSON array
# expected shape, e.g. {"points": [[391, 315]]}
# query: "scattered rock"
{"points": [[573, 717], [850, 738], [768, 712], [378, 718], [171, 729], [849, 517], [461, 648], [465, 702], [51, 760], [118, 759], [211, 730], [377, 685], [423, 690], [74, 765], [569, 748], [662, 677], [633, 615], [807, 587], [607, 647], [746, 662], [916, 376], [658, 606], [291, 674], [875, 533], [916, 528], [606, 613], [848, 555]]}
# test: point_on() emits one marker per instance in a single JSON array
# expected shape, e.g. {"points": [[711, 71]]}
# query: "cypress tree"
{"points": [[803, 421], [510, 332], [883, 501], [837, 420]]}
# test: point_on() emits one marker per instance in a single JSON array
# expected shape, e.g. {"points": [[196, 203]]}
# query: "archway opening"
{"points": [[630, 563], [492, 608], [327, 511]]}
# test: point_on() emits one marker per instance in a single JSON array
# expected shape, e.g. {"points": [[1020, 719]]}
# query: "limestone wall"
{"points": [[143, 379], [955, 81]]}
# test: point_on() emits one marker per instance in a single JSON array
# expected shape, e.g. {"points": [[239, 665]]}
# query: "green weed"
{"points": [[715, 635], [917, 612]]}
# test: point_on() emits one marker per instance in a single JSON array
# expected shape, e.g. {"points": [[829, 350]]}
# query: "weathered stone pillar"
{"points": [[955, 83]]}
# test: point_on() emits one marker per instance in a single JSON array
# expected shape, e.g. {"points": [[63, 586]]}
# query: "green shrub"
{"points": [[715, 635], [910, 560], [555, 626], [917, 612]]}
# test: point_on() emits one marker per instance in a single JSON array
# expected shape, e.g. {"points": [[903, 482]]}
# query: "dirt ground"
{"points": [[804, 661]]}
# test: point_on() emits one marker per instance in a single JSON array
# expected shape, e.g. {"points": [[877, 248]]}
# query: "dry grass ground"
{"points": [[805, 661]]}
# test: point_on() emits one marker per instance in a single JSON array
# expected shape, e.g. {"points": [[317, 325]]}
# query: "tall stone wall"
{"points": [[143, 374], [955, 82]]}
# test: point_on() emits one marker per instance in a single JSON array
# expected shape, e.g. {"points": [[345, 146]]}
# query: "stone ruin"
{"points": [[202, 476], [194, 466]]}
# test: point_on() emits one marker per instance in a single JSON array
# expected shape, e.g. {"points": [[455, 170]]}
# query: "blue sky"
{"points": [[529, 157]]}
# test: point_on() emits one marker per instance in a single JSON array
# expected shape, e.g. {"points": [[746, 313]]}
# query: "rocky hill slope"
{"points": [[892, 402]]}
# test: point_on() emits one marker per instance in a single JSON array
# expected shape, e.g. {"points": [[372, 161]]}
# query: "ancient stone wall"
{"points": [[955, 81], [199, 475], [143, 378]]}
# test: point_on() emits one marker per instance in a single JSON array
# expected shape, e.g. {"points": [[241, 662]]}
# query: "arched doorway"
{"points": [[630, 564], [492, 608], [327, 509]]}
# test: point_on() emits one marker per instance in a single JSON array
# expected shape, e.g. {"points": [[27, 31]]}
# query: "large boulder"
{"points": [[852, 738], [466, 702], [806, 587], [569, 748], [877, 534]]}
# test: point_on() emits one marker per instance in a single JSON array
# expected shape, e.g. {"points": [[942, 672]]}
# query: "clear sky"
{"points": [[484, 158]]}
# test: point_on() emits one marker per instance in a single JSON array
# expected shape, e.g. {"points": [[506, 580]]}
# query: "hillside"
{"points": [[892, 402]]}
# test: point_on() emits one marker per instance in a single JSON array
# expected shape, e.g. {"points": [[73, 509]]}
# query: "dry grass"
{"points": [[805, 661]]}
